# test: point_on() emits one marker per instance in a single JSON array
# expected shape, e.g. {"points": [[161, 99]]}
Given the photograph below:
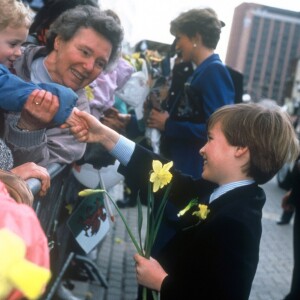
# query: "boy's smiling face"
{"points": [[11, 40], [220, 164]]}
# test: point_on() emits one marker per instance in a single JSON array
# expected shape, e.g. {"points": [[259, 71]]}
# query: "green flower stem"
{"points": [[160, 213], [140, 252], [140, 222], [154, 294], [149, 215]]}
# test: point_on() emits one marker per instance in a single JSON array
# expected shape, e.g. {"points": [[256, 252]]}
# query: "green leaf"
{"points": [[160, 211], [126, 225], [149, 205]]}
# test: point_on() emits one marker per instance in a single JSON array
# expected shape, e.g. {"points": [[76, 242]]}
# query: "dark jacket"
{"points": [[190, 105], [216, 259]]}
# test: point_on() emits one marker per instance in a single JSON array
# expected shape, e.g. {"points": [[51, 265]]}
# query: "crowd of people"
{"points": [[63, 78]]}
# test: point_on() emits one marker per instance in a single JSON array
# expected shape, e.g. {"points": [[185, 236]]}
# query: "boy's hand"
{"points": [[84, 126], [149, 272]]}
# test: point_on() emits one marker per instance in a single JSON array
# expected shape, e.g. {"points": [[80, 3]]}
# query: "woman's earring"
{"points": [[195, 45]]}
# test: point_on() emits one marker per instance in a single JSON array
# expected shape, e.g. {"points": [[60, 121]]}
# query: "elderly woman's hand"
{"points": [[38, 111]]}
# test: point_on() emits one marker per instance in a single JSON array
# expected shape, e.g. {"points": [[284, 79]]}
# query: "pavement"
{"points": [[273, 276]]}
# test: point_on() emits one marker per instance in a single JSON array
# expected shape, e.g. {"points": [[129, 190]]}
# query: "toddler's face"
{"points": [[11, 40]]}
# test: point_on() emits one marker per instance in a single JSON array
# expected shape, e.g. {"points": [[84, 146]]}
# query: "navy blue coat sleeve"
{"points": [[184, 187]]}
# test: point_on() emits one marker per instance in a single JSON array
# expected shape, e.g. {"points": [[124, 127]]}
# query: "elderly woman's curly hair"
{"points": [[86, 16]]}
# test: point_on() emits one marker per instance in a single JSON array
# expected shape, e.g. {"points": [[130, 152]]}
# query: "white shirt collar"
{"points": [[222, 189]]}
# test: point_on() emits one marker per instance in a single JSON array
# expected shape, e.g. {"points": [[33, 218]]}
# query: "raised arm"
{"points": [[86, 128]]}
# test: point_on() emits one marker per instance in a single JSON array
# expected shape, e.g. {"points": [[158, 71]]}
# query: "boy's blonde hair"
{"points": [[266, 130], [15, 14]]}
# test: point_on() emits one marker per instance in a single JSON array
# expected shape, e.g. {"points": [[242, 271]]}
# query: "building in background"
{"points": [[263, 42]]}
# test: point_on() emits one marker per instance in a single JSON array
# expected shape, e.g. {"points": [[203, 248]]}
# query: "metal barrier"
{"points": [[48, 210], [48, 207]]}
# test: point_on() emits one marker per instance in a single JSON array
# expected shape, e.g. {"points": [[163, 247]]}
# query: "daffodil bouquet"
{"points": [[160, 176]]}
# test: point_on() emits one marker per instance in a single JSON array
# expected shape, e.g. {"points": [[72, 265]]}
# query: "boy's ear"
{"points": [[240, 151]]}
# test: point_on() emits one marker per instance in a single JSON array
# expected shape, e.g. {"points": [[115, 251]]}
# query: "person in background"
{"points": [[191, 101], [47, 14], [188, 107], [291, 201], [216, 254]]}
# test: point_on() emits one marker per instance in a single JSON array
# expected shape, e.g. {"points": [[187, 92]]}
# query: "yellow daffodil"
{"points": [[160, 175], [188, 207], [202, 212], [89, 93], [69, 208], [88, 192]]}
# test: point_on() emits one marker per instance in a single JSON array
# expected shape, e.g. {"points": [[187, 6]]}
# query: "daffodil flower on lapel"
{"points": [[188, 207], [202, 212], [161, 175]]}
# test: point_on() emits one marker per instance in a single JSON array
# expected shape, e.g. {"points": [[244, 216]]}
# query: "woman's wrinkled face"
{"points": [[11, 40], [79, 61]]}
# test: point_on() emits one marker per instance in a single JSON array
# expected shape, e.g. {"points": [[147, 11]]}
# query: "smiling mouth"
{"points": [[78, 75]]}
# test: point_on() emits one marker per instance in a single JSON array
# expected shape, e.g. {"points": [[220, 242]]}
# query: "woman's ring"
{"points": [[37, 103]]}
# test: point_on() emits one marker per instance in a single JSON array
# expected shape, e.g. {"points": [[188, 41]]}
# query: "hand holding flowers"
{"points": [[160, 177]]}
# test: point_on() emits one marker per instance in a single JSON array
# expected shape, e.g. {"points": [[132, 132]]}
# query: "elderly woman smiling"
{"points": [[81, 43]]}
